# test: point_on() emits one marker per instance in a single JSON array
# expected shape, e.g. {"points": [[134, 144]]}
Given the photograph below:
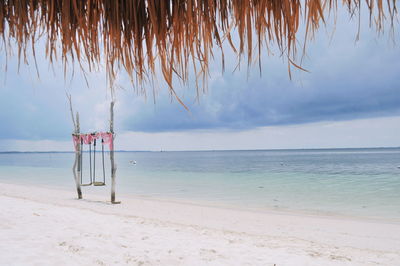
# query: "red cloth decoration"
{"points": [[107, 138]]}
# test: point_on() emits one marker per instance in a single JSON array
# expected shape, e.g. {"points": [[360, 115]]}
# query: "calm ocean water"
{"points": [[355, 182]]}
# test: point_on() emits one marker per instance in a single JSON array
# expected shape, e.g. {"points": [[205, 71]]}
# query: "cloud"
{"points": [[348, 80], [37, 109]]}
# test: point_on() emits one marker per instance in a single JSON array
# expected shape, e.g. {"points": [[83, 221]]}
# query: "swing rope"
{"points": [[90, 161], [98, 183], [80, 159], [94, 161], [90, 165], [102, 155], [92, 173]]}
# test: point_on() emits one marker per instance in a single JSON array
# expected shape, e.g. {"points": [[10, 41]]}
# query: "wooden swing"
{"points": [[92, 167], [81, 139]]}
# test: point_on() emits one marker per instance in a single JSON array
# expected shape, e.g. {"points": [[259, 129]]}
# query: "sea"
{"points": [[341, 182]]}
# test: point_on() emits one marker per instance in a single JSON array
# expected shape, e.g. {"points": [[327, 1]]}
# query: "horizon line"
{"points": [[208, 150]]}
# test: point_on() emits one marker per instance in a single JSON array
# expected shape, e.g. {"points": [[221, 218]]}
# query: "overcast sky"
{"points": [[350, 98]]}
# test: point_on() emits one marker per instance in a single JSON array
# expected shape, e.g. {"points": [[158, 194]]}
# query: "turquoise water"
{"points": [[354, 182]]}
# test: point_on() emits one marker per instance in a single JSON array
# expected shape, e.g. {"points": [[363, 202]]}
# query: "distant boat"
{"points": [[132, 162]]}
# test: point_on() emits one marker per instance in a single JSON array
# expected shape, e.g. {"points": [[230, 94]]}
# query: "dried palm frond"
{"points": [[137, 35]]}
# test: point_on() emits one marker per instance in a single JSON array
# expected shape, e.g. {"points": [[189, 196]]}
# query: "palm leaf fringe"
{"points": [[138, 35]]}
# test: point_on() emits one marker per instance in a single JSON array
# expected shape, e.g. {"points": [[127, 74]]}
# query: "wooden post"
{"points": [[76, 173], [113, 165], [78, 155], [77, 162]]}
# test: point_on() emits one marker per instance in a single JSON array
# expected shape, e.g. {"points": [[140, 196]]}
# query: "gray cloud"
{"points": [[37, 109], [347, 81]]}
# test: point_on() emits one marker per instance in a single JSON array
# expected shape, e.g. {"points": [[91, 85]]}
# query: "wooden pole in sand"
{"points": [[78, 154], [113, 165]]}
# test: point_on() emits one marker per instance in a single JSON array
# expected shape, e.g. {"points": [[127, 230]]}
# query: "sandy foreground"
{"points": [[43, 226]]}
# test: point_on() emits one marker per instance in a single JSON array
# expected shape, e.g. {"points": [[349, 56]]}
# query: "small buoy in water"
{"points": [[132, 162]]}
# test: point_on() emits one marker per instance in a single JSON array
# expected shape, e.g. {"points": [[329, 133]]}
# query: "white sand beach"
{"points": [[44, 226]]}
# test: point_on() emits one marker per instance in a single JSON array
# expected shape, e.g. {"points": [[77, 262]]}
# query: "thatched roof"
{"points": [[176, 34]]}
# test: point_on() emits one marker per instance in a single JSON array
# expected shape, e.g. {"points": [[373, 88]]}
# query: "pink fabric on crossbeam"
{"points": [[76, 139], [107, 138]]}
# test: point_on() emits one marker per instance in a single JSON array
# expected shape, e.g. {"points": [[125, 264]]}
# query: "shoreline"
{"points": [[153, 231], [105, 195]]}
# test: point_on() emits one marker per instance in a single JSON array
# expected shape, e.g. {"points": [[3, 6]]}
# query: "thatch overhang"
{"points": [[136, 35]]}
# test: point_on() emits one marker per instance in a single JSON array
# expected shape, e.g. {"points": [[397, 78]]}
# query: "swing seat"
{"points": [[96, 183], [84, 185]]}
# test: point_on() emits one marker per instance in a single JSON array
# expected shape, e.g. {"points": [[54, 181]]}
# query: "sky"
{"points": [[349, 98]]}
